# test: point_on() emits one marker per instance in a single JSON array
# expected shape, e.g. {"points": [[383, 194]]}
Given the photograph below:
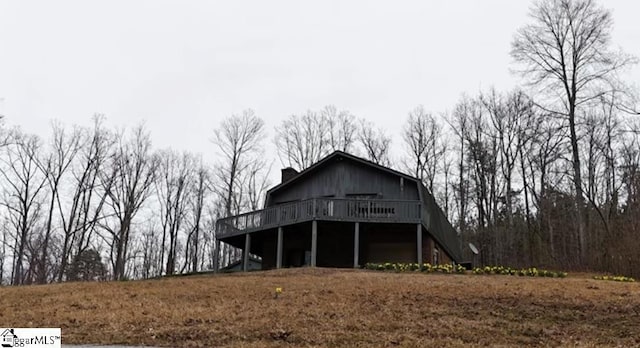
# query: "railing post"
{"points": [[246, 251], [419, 243], [315, 209], [356, 246], [314, 242], [279, 249]]}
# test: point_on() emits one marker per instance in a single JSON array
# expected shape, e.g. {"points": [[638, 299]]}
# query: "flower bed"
{"points": [[523, 272], [458, 269], [415, 267], [615, 278]]}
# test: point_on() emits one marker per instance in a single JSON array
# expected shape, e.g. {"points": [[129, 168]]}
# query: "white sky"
{"points": [[184, 65]]}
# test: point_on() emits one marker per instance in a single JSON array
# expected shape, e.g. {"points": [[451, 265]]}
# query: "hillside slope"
{"points": [[334, 308]]}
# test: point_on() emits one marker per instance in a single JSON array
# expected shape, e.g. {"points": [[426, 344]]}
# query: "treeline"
{"points": [[93, 203], [549, 177], [87, 195]]}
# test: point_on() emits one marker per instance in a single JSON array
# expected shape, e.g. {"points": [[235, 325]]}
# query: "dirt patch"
{"points": [[333, 308]]}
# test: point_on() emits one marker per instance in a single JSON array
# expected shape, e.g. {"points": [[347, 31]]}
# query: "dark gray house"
{"points": [[344, 211]]}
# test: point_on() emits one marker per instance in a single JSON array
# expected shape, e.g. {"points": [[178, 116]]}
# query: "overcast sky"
{"points": [[184, 65]]}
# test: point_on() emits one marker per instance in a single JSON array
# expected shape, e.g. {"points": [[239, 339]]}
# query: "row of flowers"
{"points": [[615, 278], [488, 270], [415, 267], [523, 272], [459, 269]]}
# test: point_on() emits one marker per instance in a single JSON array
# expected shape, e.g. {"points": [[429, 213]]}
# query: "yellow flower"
{"points": [[278, 290]]}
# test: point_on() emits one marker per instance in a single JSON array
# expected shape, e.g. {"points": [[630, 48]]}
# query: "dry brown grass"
{"points": [[334, 308]]}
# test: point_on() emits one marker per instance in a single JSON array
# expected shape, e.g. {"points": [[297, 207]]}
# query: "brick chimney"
{"points": [[287, 174]]}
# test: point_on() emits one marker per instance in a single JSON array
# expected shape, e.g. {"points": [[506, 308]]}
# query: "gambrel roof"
{"points": [[326, 160]]}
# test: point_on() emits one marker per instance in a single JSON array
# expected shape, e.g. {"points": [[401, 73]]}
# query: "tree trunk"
{"points": [[577, 182]]}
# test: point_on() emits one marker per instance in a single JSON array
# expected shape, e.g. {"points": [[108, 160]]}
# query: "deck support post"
{"points": [[279, 249], [356, 246], [245, 252], [216, 257], [314, 242], [419, 244]]}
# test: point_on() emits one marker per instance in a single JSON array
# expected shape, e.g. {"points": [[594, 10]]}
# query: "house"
{"points": [[343, 211]]}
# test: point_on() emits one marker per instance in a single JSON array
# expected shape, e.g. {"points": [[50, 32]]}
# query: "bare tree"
{"points": [[238, 139], [23, 183], [375, 143], [546, 148], [512, 122], [4, 136], [512, 118], [565, 52], [80, 214], [173, 189], [133, 170], [342, 128], [150, 248], [483, 162], [3, 249], [212, 212], [613, 132], [302, 140], [64, 147], [194, 252], [459, 123], [423, 137], [256, 181], [630, 167]]}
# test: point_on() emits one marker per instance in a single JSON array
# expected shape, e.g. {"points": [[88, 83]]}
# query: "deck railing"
{"points": [[436, 222], [326, 209]]}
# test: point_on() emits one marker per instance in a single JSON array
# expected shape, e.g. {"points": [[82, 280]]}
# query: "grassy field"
{"points": [[334, 308]]}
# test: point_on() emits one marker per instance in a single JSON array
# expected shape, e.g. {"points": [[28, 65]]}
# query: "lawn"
{"points": [[334, 308]]}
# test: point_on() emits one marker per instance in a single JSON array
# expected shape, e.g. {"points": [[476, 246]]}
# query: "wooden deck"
{"points": [[323, 209], [428, 214]]}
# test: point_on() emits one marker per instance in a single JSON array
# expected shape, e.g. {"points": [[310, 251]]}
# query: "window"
{"points": [[363, 195]]}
